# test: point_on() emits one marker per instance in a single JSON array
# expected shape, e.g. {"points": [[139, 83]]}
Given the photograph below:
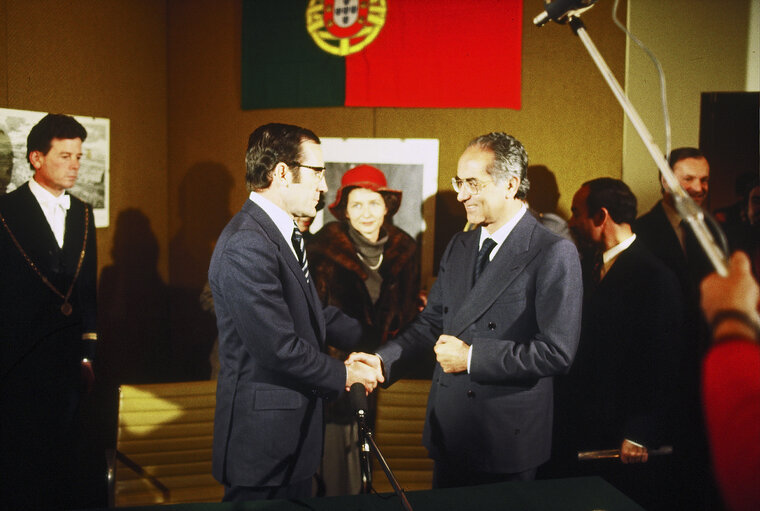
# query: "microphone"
{"points": [[358, 397], [558, 10]]}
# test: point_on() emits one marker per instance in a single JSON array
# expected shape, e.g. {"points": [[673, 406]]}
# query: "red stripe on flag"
{"points": [[447, 53]]}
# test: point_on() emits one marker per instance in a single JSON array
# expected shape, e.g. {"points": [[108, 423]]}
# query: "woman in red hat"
{"points": [[368, 268]]}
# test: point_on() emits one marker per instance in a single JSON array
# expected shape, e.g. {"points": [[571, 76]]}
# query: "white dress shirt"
{"points": [[609, 256], [54, 208]]}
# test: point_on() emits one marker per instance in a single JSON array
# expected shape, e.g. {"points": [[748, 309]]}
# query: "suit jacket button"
{"points": [[470, 393], [445, 310], [491, 325]]}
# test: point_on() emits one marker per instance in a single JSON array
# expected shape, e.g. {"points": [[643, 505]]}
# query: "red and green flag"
{"points": [[391, 53]]}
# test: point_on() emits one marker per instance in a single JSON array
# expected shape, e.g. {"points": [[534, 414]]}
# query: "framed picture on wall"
{"points": [[410, 165], [92, 183]]}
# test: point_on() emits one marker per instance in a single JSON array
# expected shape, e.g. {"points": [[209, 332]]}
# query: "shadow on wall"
{"points": [[204, 211], [543, 195], [133, 345], [450, 218], [133, 307]]}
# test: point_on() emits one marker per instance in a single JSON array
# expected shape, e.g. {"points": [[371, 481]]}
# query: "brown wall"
{"points": [[100, 59], [166, 73]]}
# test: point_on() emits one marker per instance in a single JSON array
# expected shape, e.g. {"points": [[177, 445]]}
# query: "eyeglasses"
{"points": [[471, 185], [318, 171]]}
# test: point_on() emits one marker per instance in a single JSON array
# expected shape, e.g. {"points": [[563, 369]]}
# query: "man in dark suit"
{"points": [[662, 230], [499, 336], [619, 390], [274, 370], [48, 320], [674, 243]]}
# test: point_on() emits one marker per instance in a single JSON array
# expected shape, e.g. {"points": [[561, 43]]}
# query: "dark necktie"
{"points": [[298, 245], [483, 253], [596, 272]]}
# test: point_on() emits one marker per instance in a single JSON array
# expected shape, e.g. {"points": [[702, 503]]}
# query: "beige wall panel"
{"points": [[702, 47], [103, 59]]}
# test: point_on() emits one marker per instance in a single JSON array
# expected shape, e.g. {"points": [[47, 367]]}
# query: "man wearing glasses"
{"points": [[274, 372], [503, 318]]}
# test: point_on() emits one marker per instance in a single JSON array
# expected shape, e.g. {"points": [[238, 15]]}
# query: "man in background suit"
{"points": [[674, 243], [48, 320], [663, 231], [274, 370], [619, 390], [499, 336]]}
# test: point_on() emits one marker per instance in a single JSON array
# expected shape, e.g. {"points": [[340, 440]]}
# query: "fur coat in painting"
{"points": [[339, 277]]}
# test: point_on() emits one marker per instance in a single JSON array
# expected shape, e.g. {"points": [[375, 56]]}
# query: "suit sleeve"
{"points": [[420, 336], [254, 288], [557, 310], [343, 331]]}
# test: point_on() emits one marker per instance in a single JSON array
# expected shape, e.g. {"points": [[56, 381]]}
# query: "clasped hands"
{"points": [[367, 369], [364, 368]]}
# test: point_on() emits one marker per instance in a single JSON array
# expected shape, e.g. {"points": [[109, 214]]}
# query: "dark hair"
{"points": [[269, 145], [510, 159], [392, 199], [613, 195], [681, 153], [50, 127]]}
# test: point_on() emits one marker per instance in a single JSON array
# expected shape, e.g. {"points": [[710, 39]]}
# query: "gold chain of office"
{"points": [[66, 307]]}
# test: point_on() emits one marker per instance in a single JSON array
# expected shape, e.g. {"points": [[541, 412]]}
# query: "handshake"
{"points": [[364, 368], [451, 354]]}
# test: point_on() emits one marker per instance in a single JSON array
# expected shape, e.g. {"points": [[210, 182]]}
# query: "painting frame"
{"points": [[410, 165], [93, 183]]}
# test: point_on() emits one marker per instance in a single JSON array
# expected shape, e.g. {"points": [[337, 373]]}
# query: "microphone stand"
{"points": [[367, 443], [685, 205]]}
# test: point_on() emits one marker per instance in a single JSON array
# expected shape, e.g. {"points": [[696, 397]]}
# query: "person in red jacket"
{"points": [[731, 382]]}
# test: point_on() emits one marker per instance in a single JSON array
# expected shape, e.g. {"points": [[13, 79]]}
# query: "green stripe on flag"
{"points": [[282, 67]]}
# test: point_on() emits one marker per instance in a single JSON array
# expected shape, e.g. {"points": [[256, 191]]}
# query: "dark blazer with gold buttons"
{"points": [[522, 318]]}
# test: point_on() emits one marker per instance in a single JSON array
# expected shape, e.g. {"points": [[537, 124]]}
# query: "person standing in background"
{"points": [[369, 269], [48, 321]]}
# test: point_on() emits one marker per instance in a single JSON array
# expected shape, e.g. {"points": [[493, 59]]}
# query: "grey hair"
{"points": [[510, 159]]}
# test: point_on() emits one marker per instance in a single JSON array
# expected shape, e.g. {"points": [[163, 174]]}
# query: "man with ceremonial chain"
{"points": [[48, 271]]}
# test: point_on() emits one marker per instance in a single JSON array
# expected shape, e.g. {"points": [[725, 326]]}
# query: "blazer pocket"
{"points": [[277, 399]]}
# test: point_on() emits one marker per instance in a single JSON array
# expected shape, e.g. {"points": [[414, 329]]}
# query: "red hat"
{"points": [[364, 176]]}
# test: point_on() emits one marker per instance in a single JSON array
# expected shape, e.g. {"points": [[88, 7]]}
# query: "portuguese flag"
{"points": [[387, 53]]}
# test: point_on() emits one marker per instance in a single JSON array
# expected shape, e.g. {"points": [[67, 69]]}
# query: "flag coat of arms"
{"points": [[391, 53]]}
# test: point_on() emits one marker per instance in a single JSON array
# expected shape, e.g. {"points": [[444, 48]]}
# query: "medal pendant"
{"points": [[66, 308]]}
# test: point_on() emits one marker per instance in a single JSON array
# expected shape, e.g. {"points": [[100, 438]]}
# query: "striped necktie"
{"points": [[298, 245]]}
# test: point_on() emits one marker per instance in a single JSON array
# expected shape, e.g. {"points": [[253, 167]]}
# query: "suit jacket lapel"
{"points": [[672, 246], [498, 275], [260, 216], [33, 231]]}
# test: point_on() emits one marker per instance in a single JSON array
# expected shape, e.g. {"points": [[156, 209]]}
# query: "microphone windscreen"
{"points": [[358, 397]]}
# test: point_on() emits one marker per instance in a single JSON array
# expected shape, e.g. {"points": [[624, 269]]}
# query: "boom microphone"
{"points": [[558, 10]]}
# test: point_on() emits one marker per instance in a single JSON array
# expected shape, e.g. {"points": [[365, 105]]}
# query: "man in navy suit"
{"points": [[670, 239], [503, 318], [619, 391], [48, 320], [274, 370]]}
